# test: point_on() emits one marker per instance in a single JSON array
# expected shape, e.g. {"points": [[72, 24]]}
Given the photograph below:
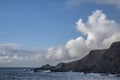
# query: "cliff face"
{"points": [[90, 63], [97, 61], [110, 61]]}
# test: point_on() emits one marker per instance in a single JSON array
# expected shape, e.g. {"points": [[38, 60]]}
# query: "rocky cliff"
{"points": [[97, 61]]}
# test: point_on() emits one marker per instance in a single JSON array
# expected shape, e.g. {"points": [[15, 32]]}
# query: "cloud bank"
{"points": [[98, 33]]}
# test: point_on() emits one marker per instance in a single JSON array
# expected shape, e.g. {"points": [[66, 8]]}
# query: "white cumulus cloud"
{"points": [[98, 33]]}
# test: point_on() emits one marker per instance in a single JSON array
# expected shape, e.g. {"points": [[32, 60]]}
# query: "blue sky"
{"points": [[45, 23], [53, 31]]}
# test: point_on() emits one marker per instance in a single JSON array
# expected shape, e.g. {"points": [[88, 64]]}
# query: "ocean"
{"points": [[27, 74]]}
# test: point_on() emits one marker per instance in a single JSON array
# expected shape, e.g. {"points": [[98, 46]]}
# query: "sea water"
{"points": [[27, 74]]}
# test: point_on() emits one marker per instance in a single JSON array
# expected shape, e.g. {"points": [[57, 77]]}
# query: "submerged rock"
{"points": [[118, 75]]}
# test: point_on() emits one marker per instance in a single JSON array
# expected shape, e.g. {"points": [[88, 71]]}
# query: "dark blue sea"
{"points": [[27, 74]]}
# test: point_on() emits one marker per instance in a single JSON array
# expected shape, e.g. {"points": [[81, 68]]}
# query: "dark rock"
{"points": [[44, 67], [118, 75], [110, 61], [105, 61]]}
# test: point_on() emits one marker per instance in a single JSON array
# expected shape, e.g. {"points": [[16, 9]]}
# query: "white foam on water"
{"points": [[14, 74]]}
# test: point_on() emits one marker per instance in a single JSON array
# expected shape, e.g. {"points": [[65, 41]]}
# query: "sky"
{"points": [[37, 32]]}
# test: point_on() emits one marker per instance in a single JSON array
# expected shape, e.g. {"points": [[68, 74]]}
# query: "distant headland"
{"points": [[97, 61]]}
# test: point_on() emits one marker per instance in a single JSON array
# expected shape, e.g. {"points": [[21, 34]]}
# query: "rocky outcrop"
{"points": [[44, 67], [110, 61], [97, 61], [89, 63]]}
